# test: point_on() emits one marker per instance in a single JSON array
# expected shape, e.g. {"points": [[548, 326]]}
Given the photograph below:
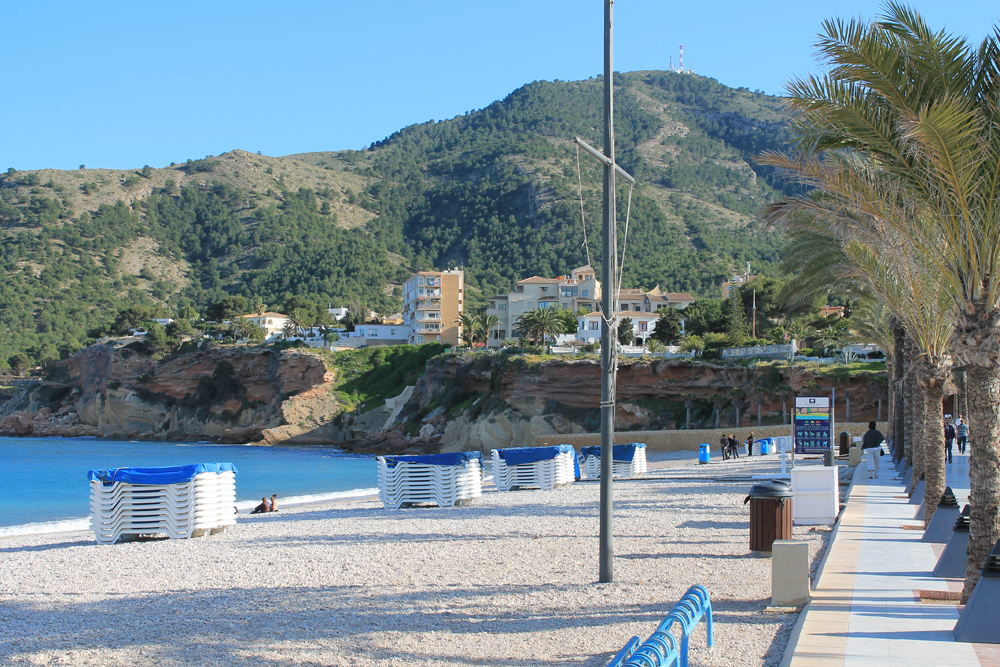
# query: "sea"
{"points": [[45, 487]]}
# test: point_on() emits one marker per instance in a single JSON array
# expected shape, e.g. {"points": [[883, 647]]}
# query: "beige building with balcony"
{"points": [[578, 292], [432, 304]]}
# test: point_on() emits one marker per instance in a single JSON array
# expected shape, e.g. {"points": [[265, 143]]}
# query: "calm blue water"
{"points": [[45, 479]]}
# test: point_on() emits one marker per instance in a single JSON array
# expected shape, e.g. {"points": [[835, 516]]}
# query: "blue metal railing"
{"points": [[661, 649]]}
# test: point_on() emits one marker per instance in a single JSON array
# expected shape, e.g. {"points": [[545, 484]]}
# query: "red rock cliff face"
{"points": [[115, 392], [577, 384]]}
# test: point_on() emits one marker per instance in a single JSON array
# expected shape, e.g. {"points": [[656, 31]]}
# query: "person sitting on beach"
{"points": [[263, 507], [274, 503]]}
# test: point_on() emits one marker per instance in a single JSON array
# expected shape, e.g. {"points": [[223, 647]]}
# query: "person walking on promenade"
{"points": [[871, 445], [962, 433], [724, 441], [949, 438], [750, 442], [734, 447]]}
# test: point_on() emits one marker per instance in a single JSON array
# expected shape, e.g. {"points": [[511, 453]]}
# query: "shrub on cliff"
{"points": [[222, 385]]}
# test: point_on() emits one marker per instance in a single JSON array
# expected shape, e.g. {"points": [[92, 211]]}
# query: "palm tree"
{"points": [[299, 319], [485, 324], [469, 328], [289, 329], [242, 328], [688, 405], [917, 109], [873, 258], [537, 324], [259, 307], [717, 402]]}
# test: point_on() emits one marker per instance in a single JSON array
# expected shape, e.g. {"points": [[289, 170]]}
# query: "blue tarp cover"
{"points": [[158, 476], [623, 453], [453, 459], [518, 455]]}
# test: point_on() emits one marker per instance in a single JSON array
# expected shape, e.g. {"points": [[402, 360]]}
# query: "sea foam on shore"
{"points": [[75, 525]]}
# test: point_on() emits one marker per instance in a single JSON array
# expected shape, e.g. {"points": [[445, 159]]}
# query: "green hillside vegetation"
{"points": [[493, 190]]}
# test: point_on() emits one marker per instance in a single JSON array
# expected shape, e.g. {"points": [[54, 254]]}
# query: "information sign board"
{"points": [[813, 425]]}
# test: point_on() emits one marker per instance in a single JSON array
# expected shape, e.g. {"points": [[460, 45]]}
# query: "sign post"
{"points": [[813, 431]]}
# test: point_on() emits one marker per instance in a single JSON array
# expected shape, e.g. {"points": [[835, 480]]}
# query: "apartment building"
{"points": [[578, 291], [432, 304]]}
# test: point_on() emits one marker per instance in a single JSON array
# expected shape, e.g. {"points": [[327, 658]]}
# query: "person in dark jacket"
{"points": [[871, 445], [949, 439], [750, 441], [734, 447], [724, 443]]}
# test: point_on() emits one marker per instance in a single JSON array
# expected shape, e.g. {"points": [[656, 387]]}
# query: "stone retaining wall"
{"points": [[675, 441]]}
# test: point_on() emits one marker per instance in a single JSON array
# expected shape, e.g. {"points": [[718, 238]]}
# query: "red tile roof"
{"points": [[539, 280]]}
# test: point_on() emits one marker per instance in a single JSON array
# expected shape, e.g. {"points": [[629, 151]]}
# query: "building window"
{"points": [[420, 280], [642, 326], [566, 290], [637, 309], [502, 306], [519, 289], [546, 304], [586, 292], [594, 326], [493, 305]]}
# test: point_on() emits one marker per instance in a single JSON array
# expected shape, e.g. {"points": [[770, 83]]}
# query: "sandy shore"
{"points": [[508, 580]]}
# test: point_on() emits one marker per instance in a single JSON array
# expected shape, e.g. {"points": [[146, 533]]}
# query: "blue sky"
{"points": [[123, 84]]}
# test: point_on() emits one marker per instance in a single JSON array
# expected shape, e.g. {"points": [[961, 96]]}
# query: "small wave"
{"points": [[64, 526], [74, 525]]}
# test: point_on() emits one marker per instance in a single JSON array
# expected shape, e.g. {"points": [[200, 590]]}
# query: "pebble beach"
{"points": [[509, 579]]}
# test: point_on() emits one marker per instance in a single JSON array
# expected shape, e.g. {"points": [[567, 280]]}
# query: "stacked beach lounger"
{"points": [[627, 460], [542, 467], [180, 501], [443, 479]]}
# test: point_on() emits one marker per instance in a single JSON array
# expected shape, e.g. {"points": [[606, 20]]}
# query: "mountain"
{"points": [[493, 190]]}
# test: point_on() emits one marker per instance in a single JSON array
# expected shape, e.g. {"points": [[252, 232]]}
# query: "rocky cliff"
{"points": [[479, 402], [234, 394], [461, 402]]}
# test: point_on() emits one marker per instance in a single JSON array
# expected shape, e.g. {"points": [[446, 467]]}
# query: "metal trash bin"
{"points": [[770, 515], [704, 453], [845, 443]]}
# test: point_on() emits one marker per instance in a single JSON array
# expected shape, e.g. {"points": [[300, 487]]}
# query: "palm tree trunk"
{"points": [[687, 421], [760, 413], [878, 414], [896, 395], [909, 399], [932, 443], [918, 399], [718, 416], [983, 395], [784, 410], [847, 406]]}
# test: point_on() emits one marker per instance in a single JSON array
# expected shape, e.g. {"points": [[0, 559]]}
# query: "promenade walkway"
{"points": [[866, 609]]}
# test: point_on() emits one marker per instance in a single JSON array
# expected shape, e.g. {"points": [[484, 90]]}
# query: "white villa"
{"points": [[271, 323], [588, 328]]}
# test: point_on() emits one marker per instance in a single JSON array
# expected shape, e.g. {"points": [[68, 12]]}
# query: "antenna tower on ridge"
{"points": [[681, 65]]}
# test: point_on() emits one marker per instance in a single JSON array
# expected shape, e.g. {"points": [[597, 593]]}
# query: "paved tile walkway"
{"points": [[865, 610]]}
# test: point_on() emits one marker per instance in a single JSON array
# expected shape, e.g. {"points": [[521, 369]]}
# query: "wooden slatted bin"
{"points": [[770, 516]]}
